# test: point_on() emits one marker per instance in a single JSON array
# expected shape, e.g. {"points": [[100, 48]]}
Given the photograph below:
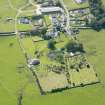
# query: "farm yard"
{"points": [[41, 67]]}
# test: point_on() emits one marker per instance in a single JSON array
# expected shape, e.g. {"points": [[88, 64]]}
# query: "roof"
{"points": [[34, 62], [51, 9], [24, 20]]}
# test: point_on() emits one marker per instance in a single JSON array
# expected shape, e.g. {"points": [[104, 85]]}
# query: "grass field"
{"points": [[11, 81], [5, 9], [31, 46], [4, 13], [50, 80], [85, 76]]}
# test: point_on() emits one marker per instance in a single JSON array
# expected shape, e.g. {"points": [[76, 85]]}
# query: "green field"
{"points": [[11, 81]]}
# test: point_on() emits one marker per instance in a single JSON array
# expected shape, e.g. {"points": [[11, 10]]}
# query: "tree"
{"points": [[98, 24], [51, 45]]}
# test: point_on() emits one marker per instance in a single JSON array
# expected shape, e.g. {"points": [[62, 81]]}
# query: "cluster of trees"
{"points": [[96, 7], [98, 10], [73, 46], [58, 55]]}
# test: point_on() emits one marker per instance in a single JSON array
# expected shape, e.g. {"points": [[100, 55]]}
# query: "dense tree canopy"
{"points": [[74, 47], [98, 10]]}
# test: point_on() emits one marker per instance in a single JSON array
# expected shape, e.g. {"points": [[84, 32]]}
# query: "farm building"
{"points": [[34, 62], [51, 9]]}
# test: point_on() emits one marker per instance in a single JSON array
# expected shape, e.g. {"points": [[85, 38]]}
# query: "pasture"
{"points": [[13, 70]]}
